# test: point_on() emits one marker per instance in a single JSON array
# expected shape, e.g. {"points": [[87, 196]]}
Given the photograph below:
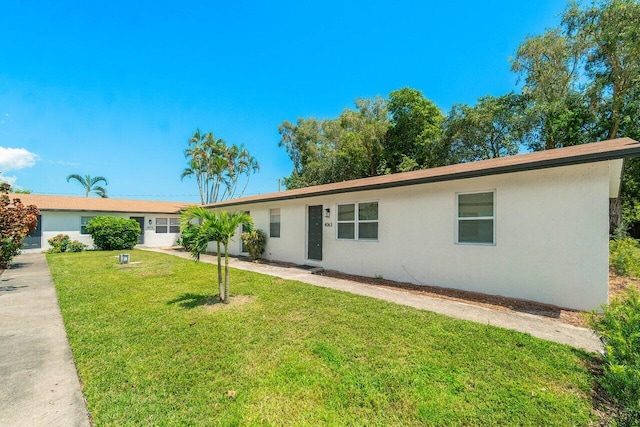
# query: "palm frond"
{"points": [[76, 177], [100, 191], [93, 181]]}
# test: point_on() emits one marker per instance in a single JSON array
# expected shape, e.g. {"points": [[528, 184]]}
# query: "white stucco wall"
{"points": [[60, 222], [551, 230]]}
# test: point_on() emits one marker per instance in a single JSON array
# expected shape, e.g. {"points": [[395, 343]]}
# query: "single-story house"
{"points": [[159, 221], [532, 226]]}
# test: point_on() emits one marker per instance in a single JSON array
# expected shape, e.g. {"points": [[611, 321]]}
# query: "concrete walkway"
{"points": [[537, 326], [39, 384]]}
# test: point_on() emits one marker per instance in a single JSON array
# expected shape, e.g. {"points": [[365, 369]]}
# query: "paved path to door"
{"points": [[39, 384], [537, 326]]}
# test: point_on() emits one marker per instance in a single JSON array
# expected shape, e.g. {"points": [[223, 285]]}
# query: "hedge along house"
{"points": [[159, 221], [532, 226]]}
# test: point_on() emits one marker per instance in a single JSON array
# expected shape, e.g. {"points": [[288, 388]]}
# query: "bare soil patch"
{"points": [[619, 284]]}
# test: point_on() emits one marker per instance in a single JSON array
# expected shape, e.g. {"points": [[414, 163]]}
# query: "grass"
{"points": [[635, 255], [149, 351]]}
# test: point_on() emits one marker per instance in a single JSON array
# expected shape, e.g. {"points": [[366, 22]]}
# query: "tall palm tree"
{"points": [[90, 184], [213, 226], [239, 162], [206, 160], [217, 166]]}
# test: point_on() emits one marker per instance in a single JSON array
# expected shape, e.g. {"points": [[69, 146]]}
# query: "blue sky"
{"points": [[117, 88]]}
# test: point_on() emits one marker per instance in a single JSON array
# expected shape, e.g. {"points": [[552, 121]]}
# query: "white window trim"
{"points": [[279, 222], [158, 219], [458, 219], [89, 218], [176, 223], [356, 221], [168, 225]]}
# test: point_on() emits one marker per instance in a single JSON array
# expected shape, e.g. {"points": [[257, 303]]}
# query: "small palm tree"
{"points": [[90, 184], [229, 223], [214, 226]]}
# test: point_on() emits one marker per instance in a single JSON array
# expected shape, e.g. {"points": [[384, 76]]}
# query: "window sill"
{"points": [[474, 244]]}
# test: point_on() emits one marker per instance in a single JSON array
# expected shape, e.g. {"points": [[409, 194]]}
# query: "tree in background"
{"points": [[311, 151], [239, 163], [90, 184], [379, 136], [494, 127], [331, 150], [551, 67], [583, 77], [580, 84], [16, 222], [413, 139], [217, 167], [611, 32], [206, 226], [364, 132], [20, 191]]}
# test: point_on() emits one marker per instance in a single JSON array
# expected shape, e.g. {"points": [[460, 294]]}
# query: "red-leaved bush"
{"points": [[16, 222]]}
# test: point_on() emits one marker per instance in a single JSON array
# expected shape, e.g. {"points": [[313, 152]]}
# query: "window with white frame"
{"points": [[476, 218], [274, 222], [358, 221], [84, 220], [167, 225]]}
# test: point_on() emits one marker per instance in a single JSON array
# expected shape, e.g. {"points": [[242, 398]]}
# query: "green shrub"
{"points": [[112, 233], [63, 243], [76, 246], [186, 237], [619, 329], [623, 256], [8, 249], [59, 243], [255, 241]]}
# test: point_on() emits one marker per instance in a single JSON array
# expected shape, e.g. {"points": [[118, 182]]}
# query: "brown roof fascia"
{"points": [[624, 148]]}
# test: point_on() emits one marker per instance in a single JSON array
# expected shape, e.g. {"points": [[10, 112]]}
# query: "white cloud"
{"points": [[63, 163], [16, 158], [8, 179]]}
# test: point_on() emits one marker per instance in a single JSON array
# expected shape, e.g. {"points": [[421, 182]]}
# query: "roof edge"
{"points": [[111, 211], [537, 165]]}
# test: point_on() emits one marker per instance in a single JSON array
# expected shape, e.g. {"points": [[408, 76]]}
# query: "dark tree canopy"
{"points": [[582, 77], [580, 83], [494, 127], [331, 150], [378, 136], [414, 132]]}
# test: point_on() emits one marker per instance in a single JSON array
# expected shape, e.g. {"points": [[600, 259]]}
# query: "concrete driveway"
{"points": [[39, 384]]}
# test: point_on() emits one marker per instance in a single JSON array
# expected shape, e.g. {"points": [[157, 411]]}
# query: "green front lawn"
{"points": [[149, 351]]}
